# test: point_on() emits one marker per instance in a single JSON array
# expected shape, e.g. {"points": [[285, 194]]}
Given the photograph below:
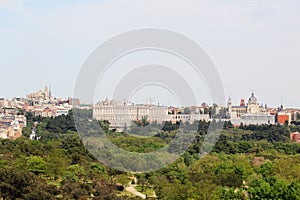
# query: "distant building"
{"points": [[295, 137], [252, 113], [283, 117], [53, 111], [39, 98], [11, 126], [43, 104], [8, 119], [61, 111], [4, 103], [293, 112], [257, 119], [74, 102], [123, 113], [10, 111], [17, 102], [186, 117]]}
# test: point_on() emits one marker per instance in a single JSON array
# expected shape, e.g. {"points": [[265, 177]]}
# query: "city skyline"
{"points": [[147, 100]]}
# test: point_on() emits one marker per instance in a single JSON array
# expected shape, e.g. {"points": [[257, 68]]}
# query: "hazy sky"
{"points": [[254, 44]]}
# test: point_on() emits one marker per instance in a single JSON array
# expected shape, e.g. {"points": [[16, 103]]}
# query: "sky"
{"points": [[254, 44]]}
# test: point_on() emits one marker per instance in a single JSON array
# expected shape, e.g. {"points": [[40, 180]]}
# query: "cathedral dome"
{"points": [[252, 99]]}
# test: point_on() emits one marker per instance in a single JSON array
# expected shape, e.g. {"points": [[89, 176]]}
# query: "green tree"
{"points": [[36, 164], [57, 161], [74, 173]]}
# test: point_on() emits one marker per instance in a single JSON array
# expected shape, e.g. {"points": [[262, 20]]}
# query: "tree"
{"points": [[266, 170], [232, 194], [273, 188], [74, 173], [36, 164], [141, 181], [57, 161], [21, 184]]}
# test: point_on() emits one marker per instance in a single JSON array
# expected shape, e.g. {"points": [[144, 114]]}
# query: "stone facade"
{"points": [[123, 113]]}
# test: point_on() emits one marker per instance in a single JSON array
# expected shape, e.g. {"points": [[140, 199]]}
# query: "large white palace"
{"points": [[123, 113]]}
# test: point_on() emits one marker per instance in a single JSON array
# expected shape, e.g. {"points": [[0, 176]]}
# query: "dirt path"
{"points": [[132, 190]]}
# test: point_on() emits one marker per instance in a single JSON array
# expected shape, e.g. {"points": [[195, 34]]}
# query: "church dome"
{"points": [[252, 99]]}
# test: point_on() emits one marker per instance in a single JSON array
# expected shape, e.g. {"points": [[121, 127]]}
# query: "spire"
{"points": [[229, 103]]}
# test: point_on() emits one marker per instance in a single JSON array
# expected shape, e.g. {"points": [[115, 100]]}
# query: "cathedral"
{"points": [[40, 97], [252, 108]]}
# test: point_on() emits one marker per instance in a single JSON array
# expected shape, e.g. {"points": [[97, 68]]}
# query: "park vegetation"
{"points": [[247, 162]]}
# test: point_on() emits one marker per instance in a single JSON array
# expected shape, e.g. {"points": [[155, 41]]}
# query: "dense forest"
{"points": [[247, 162]]}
